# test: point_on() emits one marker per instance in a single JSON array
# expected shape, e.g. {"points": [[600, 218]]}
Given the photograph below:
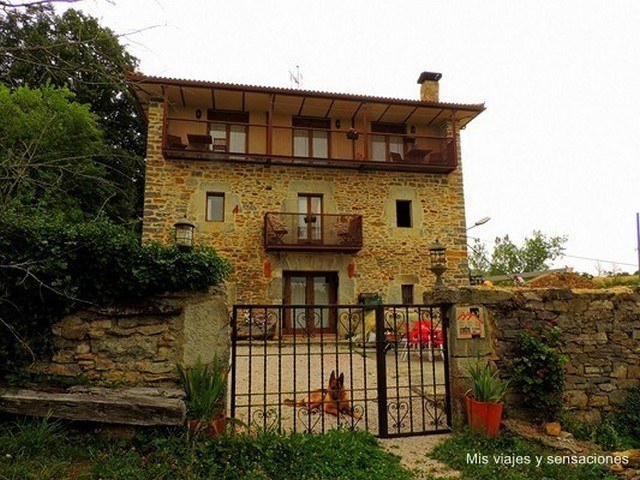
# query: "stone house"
{"points": [[314, 197]]}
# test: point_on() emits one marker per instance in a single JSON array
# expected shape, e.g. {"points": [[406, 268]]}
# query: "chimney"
{"points": [[429, 88]]}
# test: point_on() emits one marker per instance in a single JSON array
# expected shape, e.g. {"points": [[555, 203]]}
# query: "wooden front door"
{"points": [[308, 289]]}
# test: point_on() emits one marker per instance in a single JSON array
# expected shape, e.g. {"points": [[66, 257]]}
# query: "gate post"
{"points": [[381, 370], [234, 334]]}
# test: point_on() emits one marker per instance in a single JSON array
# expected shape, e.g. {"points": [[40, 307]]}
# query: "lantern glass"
{"points": [[438, 255], [184, 233]]}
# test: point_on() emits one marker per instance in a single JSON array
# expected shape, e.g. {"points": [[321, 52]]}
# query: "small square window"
{"points": [[215, 207], [403, 213], [407, 294]]}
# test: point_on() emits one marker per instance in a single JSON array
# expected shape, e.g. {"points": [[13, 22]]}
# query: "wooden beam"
{"points": [[437, 115], [326, 115], [108, 407], [383, 113], [301, 106], [213, 99], [410, 115], [356, 112], [184, 104]]}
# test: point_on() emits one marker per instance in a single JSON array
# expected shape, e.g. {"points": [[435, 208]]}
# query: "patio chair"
{"points": [[424, 335], [219, 144], [174, 141]]}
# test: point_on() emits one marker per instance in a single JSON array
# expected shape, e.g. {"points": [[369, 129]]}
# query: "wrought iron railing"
{"points": [[300, 231], [383, 368]]}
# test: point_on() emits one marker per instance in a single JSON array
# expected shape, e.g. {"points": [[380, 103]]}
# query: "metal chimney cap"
{"points": [[431, 76]]}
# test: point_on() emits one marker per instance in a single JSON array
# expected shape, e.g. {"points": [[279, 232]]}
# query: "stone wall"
{"points": [[142, 343], [601, 329], [391, 256]]}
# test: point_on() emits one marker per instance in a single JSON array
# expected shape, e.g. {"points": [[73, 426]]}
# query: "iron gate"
{"points": [[384, 369]]}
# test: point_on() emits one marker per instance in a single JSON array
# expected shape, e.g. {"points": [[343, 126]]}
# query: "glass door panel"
{"points": [[298, 296], [321, 296], [237, 139]]}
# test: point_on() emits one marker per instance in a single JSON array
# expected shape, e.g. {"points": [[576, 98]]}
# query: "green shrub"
{"points": [[538, 369], [50, 268], [626, 416]]}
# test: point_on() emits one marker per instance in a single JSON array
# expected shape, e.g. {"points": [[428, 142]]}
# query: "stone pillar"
{"points": [[153, 228]]}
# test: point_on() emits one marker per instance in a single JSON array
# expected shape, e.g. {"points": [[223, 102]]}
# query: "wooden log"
{"points": [[115, 407]]}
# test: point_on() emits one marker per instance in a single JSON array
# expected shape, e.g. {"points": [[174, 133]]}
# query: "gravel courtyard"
{"points": [[269, 372]]}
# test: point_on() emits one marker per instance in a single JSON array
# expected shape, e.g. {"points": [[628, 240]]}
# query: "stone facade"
{"points": [[141, 344], [601, 329], [391, 256]]}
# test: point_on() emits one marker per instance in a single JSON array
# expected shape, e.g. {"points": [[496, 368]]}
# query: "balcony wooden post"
{"points": [[365, 116], [454, 133], [165, 114], [272, 99]]}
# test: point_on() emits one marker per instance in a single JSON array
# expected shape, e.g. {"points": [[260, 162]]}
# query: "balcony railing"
{"points": [[304, 232], [192, 139]]}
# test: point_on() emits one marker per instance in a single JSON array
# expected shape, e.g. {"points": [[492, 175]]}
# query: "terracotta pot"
{"points": [[214, 428], [218, 424], [484, 417]]}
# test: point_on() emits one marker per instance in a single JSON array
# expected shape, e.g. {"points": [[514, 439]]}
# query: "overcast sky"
{"points": [[558, 148]]}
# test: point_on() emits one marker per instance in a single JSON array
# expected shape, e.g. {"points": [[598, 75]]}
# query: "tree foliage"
{"points": [[72, 50], [51, 153], [50, 268], [507, 258]]}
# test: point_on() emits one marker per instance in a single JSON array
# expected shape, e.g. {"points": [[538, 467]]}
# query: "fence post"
{"points": [[381, 367]]}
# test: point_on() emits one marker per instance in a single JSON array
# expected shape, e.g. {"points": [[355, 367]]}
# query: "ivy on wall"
{"points": [[50, 268]]}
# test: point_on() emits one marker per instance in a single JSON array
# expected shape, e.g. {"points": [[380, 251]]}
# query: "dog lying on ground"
{"points": [[333, 400]]}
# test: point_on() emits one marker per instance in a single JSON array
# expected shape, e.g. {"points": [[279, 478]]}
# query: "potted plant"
{"points": [[205, 387], [352, 134], [310, 218], [484, 407]]}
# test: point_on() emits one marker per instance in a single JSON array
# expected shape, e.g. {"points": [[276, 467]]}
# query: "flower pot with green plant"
{"points": [[205, 387], [484, 407]]}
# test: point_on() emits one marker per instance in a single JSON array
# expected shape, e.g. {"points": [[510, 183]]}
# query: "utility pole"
{"points": [[638, 239]]}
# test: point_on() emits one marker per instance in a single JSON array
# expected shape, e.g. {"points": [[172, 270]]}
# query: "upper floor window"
{"points": [[384, 147], [403, 214], [228, 134], [312, 138], [215, 207]]}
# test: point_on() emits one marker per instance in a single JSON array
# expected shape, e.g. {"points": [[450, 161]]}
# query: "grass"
{"points": [[456, 450], [31, 450]]}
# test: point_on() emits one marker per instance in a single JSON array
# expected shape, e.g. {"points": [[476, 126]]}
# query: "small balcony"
{"points": [[312, 232]]}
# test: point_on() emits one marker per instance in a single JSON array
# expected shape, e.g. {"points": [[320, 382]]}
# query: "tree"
{"points": [[72, 50], [50, 154], [508, 259]]}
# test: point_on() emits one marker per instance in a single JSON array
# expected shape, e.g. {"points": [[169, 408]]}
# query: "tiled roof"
{"points": [[134, 77]]}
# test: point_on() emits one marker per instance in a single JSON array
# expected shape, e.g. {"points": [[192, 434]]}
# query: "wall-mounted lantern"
{"points": [[184, 233], [338, 124], [438, 256], [412, 129], [198, 113]]}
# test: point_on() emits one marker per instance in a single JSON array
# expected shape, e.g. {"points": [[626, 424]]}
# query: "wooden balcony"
{"points": [[318, 232], [189, 139]]}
